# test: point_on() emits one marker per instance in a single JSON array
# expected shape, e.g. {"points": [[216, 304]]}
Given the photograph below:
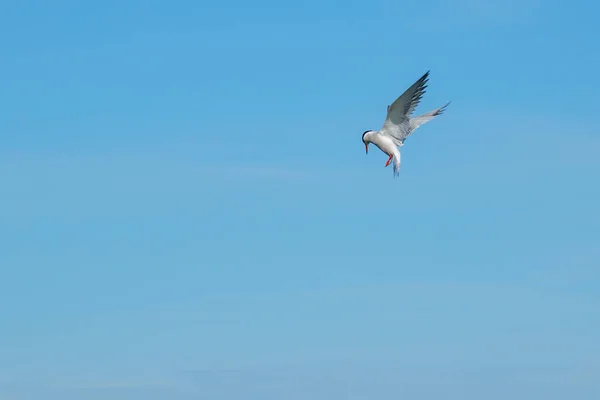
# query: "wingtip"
{"points": [[441, 109], [424, 78]]}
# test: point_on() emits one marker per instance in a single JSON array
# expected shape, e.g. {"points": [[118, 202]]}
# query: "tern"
{"points": [[399, 123]]}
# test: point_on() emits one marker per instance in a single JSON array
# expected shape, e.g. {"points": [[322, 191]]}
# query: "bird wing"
{"points": [[396, 123], [416, 122]]}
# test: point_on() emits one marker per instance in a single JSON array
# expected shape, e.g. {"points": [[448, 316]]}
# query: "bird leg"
{"points": [[388, 161]]}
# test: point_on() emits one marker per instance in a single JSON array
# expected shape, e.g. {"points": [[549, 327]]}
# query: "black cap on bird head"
{"points": [[363, 140]]}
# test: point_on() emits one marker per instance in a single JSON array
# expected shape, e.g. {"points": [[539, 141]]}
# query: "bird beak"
{"points": [[367, 148]]}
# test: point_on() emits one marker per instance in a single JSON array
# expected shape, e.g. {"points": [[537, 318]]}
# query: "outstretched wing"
{"points": [[421, 119], [396, 122]]}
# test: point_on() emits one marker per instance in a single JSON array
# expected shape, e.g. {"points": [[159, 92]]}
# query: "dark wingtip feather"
{"points": [[441, 109]]}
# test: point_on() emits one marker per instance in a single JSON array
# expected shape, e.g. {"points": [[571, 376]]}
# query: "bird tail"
{"points": [[396, 161], [421, 119]]}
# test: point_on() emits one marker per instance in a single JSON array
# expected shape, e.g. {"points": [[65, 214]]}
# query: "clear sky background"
{"points": [[187, 210]]}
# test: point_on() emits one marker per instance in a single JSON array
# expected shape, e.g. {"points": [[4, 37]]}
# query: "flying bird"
{"points": [[399, 124]]}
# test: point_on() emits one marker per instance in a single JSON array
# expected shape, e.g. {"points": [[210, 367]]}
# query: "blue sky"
{"points": [[187, 211]]}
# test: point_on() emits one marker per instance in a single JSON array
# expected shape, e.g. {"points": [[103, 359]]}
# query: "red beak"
{"points": [[367, 147]]}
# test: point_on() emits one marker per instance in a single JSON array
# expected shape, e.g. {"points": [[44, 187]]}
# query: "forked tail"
{"points": [[396, 161]]}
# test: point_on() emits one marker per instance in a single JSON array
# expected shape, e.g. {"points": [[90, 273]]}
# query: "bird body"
{"points": [[386, 144], [399, 124]]}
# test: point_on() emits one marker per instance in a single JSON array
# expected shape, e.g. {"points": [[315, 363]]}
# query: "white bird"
{"points": [[399, 124]]}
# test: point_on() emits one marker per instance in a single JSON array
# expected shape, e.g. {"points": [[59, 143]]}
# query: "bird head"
{"points": [[366, 140]]}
